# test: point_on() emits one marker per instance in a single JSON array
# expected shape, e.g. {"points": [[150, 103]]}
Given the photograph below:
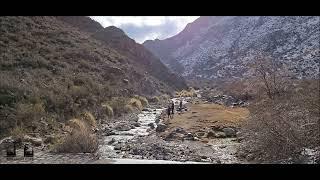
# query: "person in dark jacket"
{"points": [[172, 109], [180, 105], [168, 111]]}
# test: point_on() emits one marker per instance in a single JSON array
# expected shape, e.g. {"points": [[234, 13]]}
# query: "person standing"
{"points": [[172, 109], [168, 111], [180, 105]]}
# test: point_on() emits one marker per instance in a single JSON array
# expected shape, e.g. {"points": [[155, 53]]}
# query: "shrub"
{"points": [[17, 132], [143, 100], [128, 108], [108, 108], [76, 124], [118, 104], [89, 119], [135, 103], [79, 141], [280, 127], [154, 99]]}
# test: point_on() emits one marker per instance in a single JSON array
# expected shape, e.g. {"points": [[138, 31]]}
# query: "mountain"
{"points": [[217, 47], [58, 67]]}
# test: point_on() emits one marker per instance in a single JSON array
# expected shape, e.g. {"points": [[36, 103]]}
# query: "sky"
{"points": [[141, 28]]}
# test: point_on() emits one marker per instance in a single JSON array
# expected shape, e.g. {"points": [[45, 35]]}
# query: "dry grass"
{"points": [[143, 100], [201, 115], [154, 99], [80, 140], [135, 103], [89, 119], [128, 108], [109, 110], [184, 93], [76, 124]]}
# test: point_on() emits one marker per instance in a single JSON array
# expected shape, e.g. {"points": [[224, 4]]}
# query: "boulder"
{"points": [[210, 134], [157, 120], [189, 136], [151, 125], [136, 124], [123, 127], [161, 128], [230, 132], [33, 140], [125, 81], [117, 146], [180, 130], [220, 135], [146, 109]]}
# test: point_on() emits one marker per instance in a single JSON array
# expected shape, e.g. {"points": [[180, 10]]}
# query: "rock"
{"points": [[161, 128], [189, 136], [157, 120], [123, 127], [146, 109], [196, 139], [210, 134], [125, 81], [180, 130], [136, 124], [200, 134], [117, 147], [230, 132], [220, 135], [222, 146], [151, 125], [33, 140], [194, 112], [112, 141]]}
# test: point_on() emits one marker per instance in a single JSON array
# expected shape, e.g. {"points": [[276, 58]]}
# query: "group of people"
{"points": [[170, 109]]}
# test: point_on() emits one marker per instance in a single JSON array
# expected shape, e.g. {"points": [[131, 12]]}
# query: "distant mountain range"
{"points": [[216, 47]]}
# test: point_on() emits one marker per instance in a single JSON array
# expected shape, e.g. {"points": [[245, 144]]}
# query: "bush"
{"points": [[118, 104], [109, 110], [281, 127], [143, 100], [128, 108], [81, 140], [154, 99], [76, 124], [17, 132], [27, 114], [136, 103], [89, 119]]}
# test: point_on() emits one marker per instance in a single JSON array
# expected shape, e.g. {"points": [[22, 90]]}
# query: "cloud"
{"points": [[141, 28]]}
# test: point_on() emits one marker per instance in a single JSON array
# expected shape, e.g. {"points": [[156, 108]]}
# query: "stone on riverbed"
{"points": [[123, 127], [229, 132], [151, 125], [161, 127]]}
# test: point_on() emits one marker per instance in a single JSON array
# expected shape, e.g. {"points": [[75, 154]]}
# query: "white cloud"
{"points": [[142, 28]]}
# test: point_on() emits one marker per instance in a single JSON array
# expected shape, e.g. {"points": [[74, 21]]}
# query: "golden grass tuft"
{"points": [[109, 110], [143, 100], [154, 99], [76, 124], [128, 108], [89, 119], [135, 103]]}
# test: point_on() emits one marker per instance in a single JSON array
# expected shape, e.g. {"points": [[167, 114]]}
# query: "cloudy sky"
{"points": [[141, 28]]}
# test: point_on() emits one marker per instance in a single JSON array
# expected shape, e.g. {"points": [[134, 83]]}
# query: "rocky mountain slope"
{"points": [[221, 46], [52, 68]]}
